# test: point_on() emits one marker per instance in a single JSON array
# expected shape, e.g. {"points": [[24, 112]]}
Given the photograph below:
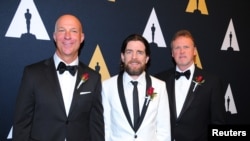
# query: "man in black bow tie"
{"points": [[62, 67], [54, 104], [179, 74], [196, 97]]}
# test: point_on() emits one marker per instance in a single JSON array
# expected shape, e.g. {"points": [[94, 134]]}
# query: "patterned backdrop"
{"points": [[220, 27]]}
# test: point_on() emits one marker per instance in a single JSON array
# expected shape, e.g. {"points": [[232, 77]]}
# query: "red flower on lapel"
{"points": [[84, 78], [150, 94], [198, 81]]}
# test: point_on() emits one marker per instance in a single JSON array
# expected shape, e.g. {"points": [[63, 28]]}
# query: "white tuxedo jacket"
{"points": [[155, 125]]}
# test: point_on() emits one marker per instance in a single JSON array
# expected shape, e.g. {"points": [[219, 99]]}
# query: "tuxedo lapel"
{"points": [[122, 98], [145, 105], [190, 96], [188, 100], [76, 92], [51, 74], [124, 104], [171, 94]]}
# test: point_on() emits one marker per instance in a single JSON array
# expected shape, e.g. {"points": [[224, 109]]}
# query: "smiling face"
{"points": [[68, 36], [134, 58]]}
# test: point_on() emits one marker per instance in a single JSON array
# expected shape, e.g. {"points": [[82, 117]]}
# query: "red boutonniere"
{"points": [[84, 78], [150, 94], [198, 81]]}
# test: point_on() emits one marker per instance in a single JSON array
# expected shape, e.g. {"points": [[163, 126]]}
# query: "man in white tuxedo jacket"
{"points": [[153, 121]]}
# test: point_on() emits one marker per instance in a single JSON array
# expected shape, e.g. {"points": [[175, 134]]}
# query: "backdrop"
{"points": [[220, 27]]}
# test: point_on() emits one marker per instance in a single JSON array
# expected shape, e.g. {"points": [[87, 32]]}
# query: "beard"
{"points": [[133, 71]]}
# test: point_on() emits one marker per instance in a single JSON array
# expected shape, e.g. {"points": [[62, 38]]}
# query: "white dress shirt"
{"points": [[128, 87], [67, 83], [181, 88]]}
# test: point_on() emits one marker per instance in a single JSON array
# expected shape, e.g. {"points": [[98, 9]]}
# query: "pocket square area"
{"points": [[82, 93]]}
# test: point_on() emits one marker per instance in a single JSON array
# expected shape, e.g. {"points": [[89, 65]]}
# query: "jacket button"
{"points": [[67, 122], [135, 136]]}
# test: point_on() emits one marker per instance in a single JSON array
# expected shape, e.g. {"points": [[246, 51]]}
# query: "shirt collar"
{"points": [[191, 68], [57, 60], [127, 78]]}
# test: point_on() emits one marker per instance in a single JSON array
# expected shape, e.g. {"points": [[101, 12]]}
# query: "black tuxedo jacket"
{"points": [[203, 106], [40, 114]]}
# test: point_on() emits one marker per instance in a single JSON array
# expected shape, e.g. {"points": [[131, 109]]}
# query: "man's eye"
{"points": [[128, 52], [60, 30], [140, 52]]}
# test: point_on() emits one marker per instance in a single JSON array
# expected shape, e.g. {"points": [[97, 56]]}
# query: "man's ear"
{"points": [[122, 57]]}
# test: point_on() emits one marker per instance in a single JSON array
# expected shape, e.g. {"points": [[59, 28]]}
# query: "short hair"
{"points": [[184, 33]]}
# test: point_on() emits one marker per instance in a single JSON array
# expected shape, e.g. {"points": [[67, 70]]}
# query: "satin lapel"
{"points": [[189, 98], [76, 91], [51, 74], [145, 106], [170, 82], [122, 98]]}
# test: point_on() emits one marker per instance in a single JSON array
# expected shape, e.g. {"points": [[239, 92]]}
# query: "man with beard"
{"points": [[147, 118]]}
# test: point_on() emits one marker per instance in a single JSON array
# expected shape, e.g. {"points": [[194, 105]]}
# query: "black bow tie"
{"points": [[62, 67], [179, 74]]}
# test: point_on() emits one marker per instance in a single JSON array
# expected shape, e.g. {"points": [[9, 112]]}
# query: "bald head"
{"points": [[68, 19], [68, 37]]}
